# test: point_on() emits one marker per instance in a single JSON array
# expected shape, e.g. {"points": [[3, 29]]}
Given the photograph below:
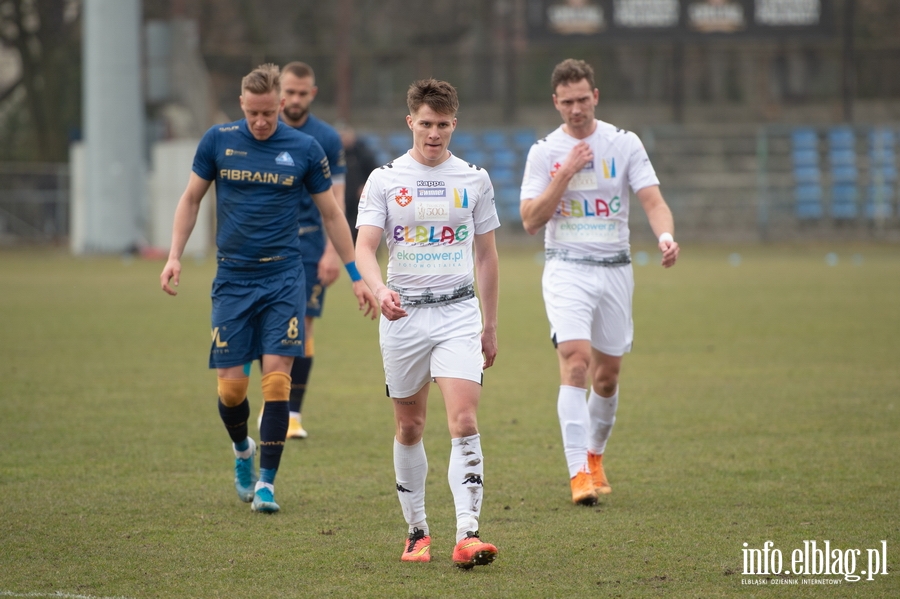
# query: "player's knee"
{"points": [[410, 429], [232, 392], [606, 385], [575, 372], [276, 386], [606, 380], [464, 425]]}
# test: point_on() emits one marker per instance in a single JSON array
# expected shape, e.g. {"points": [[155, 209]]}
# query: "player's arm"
{"points": [[487, 275], [185, 219], [330, 262], [367, 239], [338, 231], [661, 221], [537, 212]]}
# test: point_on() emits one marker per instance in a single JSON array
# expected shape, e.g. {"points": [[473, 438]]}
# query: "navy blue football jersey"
{"points": [[262, 187]]}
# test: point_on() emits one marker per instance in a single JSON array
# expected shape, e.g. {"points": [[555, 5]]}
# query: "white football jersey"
{"points": [[430, 216], [592, 217]]}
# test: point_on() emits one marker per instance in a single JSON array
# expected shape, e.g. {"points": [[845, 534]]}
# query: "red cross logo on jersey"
{"points": [[404, 198], [556, 167]]}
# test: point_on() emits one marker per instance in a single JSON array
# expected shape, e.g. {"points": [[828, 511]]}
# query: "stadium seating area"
{"points": [[845, 181], [501, 151]]}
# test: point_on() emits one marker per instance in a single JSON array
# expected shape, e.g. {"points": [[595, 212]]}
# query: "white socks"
{"points": [[574, 421], [464, 474], [411, 468], [602, 411]]}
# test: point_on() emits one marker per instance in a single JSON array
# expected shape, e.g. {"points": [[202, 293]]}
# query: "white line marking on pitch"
{"points": [[57, 594]]}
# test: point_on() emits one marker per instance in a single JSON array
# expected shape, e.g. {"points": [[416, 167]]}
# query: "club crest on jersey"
{"points": [[284, 159], [403, 198], [460, 200]]}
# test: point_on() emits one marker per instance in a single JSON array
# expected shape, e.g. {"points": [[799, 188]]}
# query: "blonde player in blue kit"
{"points": [[576, 184], [260, 167], [433, 210], [321, 262]]}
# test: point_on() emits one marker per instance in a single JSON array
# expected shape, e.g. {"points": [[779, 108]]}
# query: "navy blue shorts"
{"points": [[252, 317], [315, 290]]}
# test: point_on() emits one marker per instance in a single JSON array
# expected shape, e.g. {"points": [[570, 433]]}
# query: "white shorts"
{"points": [[438, 341], [592, 302]]}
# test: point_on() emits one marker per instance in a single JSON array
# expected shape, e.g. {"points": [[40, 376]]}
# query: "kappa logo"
{"points": [[473, 479], [231, 152], [403, 198], [402, 489], [284, 159]]}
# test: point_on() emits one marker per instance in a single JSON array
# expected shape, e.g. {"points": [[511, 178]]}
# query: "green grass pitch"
{"points": [[761, 403]]}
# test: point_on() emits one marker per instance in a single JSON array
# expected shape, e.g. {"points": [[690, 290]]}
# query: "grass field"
{"points": [[761, 403]]}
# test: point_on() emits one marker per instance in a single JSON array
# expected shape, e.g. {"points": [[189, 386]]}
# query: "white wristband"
{"points": [[666, 237]]}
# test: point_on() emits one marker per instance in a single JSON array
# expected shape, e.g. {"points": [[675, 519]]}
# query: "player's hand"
{"points": [[329, 266], [579, 156], [171, 272], [389, 301], [669, 251], [366, 299], [489, 347]]}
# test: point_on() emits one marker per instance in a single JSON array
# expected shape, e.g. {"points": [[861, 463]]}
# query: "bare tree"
{"points": [[45, 34]]}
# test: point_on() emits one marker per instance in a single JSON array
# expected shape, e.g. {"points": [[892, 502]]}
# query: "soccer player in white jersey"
{"points": [[433, 210], [577, 185]]}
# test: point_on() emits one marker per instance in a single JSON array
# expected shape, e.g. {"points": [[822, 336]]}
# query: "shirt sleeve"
{"points": [[640, 171], [372, 204], [484, 215], [317, 175], [537, 176], [335, 153], [205, 157]]}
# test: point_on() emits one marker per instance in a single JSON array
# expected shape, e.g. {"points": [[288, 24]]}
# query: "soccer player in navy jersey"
{"points": [[261, 167], [321, 262]]}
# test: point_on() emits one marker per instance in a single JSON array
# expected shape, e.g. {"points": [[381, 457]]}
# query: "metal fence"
{"points": [[739, 182], [34, 202]]}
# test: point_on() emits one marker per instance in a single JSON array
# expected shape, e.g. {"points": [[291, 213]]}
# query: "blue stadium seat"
{"points": [[804, 139], [807, 174], [844, 174], [504, 157], [503, 177], [882, 173], [463, 142], [523, 139], [808, 201], [507, 202], [844, 200], [475, 156], [494, 139]]}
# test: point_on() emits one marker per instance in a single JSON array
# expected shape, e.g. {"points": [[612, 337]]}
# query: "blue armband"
{"points": [[353, 272]]}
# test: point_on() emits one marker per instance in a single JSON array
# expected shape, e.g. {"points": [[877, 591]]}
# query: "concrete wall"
{"points": [[171, 169]]}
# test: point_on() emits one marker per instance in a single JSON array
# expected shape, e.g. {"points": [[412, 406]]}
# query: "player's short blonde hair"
{"points": [[440, 96], [571, 70], [262, 80]]}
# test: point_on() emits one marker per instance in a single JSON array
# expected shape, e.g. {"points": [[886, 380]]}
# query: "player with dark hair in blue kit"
{"points": [[261, 167], [321, 262]]}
